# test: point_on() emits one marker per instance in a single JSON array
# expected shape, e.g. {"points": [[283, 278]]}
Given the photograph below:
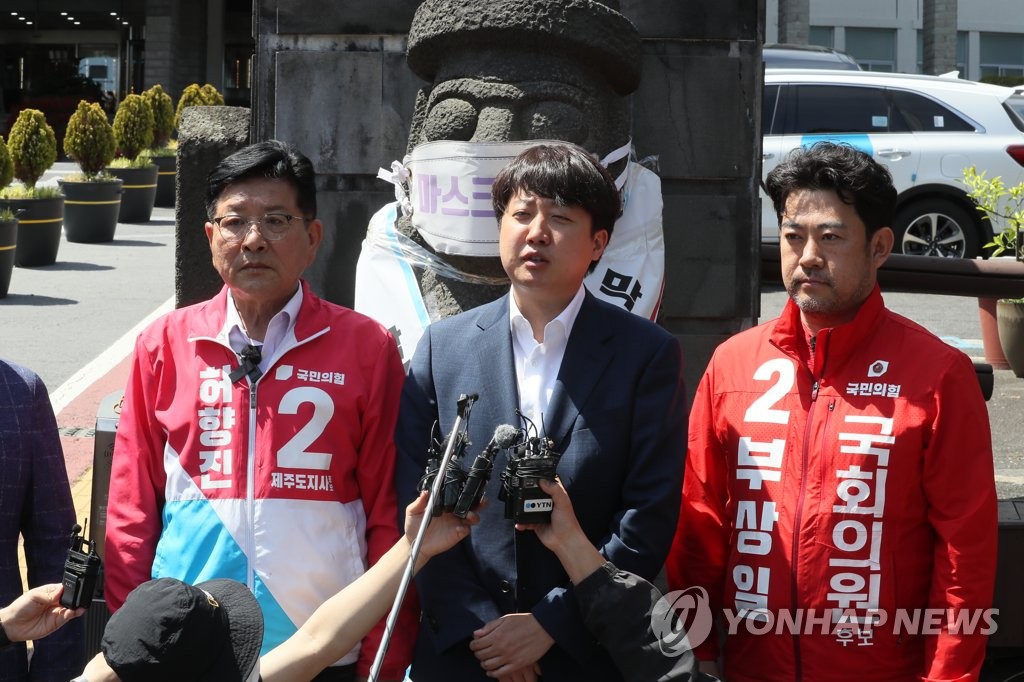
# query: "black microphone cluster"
{"points": [[530, 459], [461, 491]]}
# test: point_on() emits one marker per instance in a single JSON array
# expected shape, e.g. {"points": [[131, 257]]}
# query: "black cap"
{"points": [[168, 630]]}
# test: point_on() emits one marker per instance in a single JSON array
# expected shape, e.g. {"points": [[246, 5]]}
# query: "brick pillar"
{"points": [[794, 21], [939, 33]]}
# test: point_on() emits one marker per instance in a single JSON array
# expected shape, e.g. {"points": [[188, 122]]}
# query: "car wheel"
{"points": [[936, 227]]}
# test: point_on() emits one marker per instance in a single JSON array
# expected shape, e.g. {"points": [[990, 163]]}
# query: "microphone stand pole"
{"points": [[465, 404]]}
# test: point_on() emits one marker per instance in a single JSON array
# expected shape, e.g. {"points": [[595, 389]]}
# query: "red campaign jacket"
{"points": [[856, 480], [285, 485]]}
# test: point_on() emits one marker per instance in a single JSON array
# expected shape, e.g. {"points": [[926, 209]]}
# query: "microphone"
{"points": [[465, 404], [250, 358], [504, 437]]}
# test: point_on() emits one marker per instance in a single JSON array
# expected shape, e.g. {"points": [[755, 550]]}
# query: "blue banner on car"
{"points": [[859, 141]]}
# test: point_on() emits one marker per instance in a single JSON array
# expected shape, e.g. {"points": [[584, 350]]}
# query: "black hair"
{"points": [[856, 178], [565, 173], [270, 159]]}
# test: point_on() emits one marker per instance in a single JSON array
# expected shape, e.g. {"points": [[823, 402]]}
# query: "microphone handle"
{"points": [[472, 491], [410, 568]]}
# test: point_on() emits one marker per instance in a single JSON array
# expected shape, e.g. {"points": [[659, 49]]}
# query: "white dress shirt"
{"points": [[282, 326], [537, 364]]}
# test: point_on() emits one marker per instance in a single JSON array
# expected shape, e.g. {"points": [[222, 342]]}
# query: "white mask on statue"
{"points": [[446, 187]]}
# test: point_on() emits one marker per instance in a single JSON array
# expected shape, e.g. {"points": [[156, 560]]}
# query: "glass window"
{"points": [[922, 114], [824, 109], [1014, 107], [771, 94], [237, 66], [873, 48], [822, 35], [1002, 54]]}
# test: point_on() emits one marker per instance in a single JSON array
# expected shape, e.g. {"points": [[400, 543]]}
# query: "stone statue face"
{"points": [[510, 95], [514, 70]]}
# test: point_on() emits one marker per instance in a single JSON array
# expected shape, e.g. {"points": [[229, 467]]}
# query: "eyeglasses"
{"points": [[273, 226]]}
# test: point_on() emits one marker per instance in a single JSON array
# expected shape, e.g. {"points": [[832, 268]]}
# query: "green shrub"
{"points": [[211, 97], [89, 140], [102, 176], [32, 145], [191, 96], [196, 96], [6, 215], [169, 149], [23, 192], [140, 161], [163, 114], [133, 126], [995, 200], [6, 165], [1005, 81]]}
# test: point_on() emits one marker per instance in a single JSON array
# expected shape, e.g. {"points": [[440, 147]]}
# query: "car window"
{"points": [[768, 100], [1014, 107], [822, 109], [921, 113]]}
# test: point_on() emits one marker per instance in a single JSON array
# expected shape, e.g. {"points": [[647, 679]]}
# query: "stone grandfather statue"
{"points": [[505, 74]]}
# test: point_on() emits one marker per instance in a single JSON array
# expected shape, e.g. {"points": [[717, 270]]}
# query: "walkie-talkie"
{"points": [[80, 571]]}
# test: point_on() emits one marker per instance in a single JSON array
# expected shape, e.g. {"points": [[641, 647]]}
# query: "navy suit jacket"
{"points": [[617, 415], [35, 503]]}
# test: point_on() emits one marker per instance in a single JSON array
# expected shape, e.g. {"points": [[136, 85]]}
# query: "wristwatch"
{"points": [[5, 641]]}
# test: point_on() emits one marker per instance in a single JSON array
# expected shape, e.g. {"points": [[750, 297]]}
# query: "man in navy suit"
{"points": [[605, 385]]}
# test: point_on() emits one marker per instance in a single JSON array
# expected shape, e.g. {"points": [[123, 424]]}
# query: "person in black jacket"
{"points": [[617, 606]]}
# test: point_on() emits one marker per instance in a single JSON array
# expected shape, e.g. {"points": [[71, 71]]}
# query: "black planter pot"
{"points": [[139, 193], [8, 244], [39, 222], [167, 170], [90, 210]]}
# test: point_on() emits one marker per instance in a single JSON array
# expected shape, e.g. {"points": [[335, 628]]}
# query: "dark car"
{"points": [[783, 56]]}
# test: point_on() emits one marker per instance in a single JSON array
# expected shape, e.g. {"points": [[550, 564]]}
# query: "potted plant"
{"points": [[211, 97], [195, 95], [92, 198], [133, 133], [8, 223], [191, 96], [1005, 205], [33, 148], [163, 150]]}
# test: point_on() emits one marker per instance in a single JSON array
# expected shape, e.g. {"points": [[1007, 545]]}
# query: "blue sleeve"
{"points": [[48, 516]]}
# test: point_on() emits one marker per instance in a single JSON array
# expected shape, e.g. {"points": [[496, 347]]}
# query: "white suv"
{"points": [[925, 129]]}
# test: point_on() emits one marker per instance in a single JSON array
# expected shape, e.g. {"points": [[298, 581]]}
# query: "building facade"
{"points": [[887, 35], [123, 46]]}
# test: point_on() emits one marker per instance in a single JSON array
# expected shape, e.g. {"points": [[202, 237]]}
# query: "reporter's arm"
{"points": [[36, 614], [564, 537], [617, 606], [344, 619]]}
